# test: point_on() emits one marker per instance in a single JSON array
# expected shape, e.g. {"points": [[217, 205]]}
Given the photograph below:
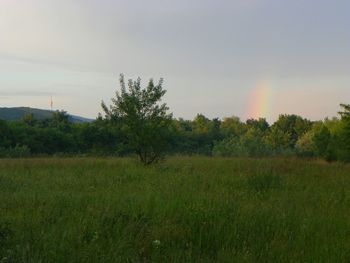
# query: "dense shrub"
{"points": [[19, 151]]}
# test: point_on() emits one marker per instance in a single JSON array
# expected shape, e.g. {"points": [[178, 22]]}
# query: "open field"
{"points": [[183, 210]]}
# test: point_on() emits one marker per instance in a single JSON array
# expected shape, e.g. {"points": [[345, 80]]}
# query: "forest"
{"points": [[290, 135]]}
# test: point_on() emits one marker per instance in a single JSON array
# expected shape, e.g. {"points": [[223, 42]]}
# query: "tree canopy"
{"points": [[138, 122], [144, 119]]}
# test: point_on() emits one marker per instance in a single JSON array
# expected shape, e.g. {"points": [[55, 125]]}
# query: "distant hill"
{"points": [[17, 113]]}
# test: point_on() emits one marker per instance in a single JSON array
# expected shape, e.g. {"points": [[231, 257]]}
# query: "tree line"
{"points": [[138, 123]]}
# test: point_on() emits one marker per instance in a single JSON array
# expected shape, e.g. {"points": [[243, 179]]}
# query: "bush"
{"points": [[227, 147], [19, 151], [250, 144]]}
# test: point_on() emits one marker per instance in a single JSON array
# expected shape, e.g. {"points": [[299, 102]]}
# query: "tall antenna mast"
{"points": [[51, 103]]}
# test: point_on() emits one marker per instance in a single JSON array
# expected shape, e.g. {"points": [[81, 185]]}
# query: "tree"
{"points": [[305, 145], [5, 134], [278, 140], [321, 140], [346, 111], [29, 119], [205, 132], [143, 118], [232, 126], [293, 125], [60, 119], [252, 143], [344, 134], [260, 124]]}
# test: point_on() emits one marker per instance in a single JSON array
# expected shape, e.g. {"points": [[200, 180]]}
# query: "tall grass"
{"points": [[183, 210]]}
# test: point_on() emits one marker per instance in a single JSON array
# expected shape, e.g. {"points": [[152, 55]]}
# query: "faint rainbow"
{"points": [[260, 100]]}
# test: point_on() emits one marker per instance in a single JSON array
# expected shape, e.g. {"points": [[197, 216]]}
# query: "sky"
{"points": [[221, 58]]}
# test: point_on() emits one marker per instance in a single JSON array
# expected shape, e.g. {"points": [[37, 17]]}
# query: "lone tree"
{"points": [[143, 118]]}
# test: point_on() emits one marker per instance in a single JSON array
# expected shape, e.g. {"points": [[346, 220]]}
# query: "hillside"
{"points": [[17, 113]]}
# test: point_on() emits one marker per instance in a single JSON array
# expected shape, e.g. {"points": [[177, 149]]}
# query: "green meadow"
{"points": [[185, 209]]}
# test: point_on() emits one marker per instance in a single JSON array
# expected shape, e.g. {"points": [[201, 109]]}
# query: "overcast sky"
{"points": [[213, 54]]}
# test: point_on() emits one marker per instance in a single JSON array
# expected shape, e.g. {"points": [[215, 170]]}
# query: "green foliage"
{"points": [[305, 146], [292, 126], [5, 134], [144, 120], [228, 147], [138, 123], [232, 127], [339, 143], [321, 139], [60, 120], [205, 132], [250, 144], [345, 113], [261, 124], [278, 140], [29, 119], [344, 134], [19, 151]]}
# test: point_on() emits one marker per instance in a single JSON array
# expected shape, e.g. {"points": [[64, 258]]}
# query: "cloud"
{"points": [[26, 93], [211, 53], [48, 63]]}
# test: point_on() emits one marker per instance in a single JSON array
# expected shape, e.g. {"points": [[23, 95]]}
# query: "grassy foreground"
{"points": [[183, 210]]}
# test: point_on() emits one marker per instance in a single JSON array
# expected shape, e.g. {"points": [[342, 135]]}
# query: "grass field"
{"points": [[183, 210]]}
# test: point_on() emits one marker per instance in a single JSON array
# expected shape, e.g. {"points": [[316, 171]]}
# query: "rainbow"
{"points": [[260, 100]]}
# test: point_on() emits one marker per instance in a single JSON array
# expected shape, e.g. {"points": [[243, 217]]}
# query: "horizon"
{"points": [[176, 118], [250, 59]]}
